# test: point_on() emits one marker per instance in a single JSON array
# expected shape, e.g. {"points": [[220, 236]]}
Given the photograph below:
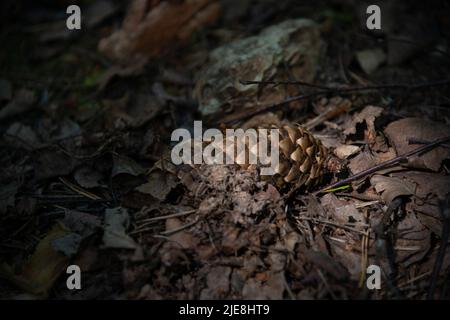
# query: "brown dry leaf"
{"points": [[351, 260], [361, 162], [345, 150], [328, 109], [402, 131], [149, 29], [159, 184], [413, 240], [266, 120], [44, 267], [430, 188], [327, 264], [272, 289], [391, 187], [342, 211], [367, 115], [184, 238], [218, 283]]}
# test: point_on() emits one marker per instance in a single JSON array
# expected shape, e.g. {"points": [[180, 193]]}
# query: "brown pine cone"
{"points": [[302, 158]]}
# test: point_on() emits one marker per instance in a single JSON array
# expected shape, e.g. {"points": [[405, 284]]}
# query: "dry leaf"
{"points": [[116, 223], [183, 238], [148, 30], [272, 289], [218, 283], [367, 115], [44, 267], [159, 184], [422, 130], [413, 240], [430, 188], [361, 162], [125, 165], [342, 211], [391, 187], [345, 150]]}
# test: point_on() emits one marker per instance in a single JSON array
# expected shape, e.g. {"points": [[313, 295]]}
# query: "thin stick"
{"points": [[328, 90], [276, 83], [176, 230], [168, 216], [332, 224], [413, 86], [385, 164]]}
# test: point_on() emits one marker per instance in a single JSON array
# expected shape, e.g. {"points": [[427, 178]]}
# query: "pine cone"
{"points": [[302, 158]]}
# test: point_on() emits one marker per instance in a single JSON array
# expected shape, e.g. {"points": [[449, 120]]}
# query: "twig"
{"points": [[325, 282], [385, 164], [414, 86], [332, 224], [288, 288], [245, 114], [176, 230], [295, 82], [168, 216], [328, 90]]}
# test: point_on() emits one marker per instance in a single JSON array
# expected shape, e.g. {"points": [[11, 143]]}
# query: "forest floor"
{"points": [[86, 118]]}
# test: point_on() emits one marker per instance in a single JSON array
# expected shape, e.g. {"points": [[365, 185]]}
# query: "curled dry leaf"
{"points": [[149, 29], [430, 188], [404, 131], [391, 187], [367, 115]]}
